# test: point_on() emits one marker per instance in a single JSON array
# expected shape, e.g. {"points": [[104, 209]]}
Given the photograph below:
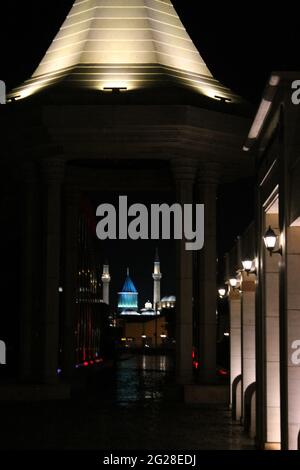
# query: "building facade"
{"points": [[264, 272]]}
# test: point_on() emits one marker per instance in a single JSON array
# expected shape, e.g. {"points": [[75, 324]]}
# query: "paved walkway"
{"points": [[136, 407]]}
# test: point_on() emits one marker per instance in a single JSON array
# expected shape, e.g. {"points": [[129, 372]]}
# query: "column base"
{"points": [[206, 394], [272, 446], [34, 392]]}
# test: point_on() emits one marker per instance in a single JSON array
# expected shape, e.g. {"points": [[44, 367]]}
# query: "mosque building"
{"points": [[128, 297], [147, 327]]}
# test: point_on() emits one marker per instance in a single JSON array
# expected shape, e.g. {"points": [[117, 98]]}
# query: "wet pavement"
{"points": [[135, 406]]}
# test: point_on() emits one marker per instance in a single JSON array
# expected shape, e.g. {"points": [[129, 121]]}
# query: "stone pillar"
{"points": [[207, 186], [235, 339], [293, 333], [52, 171], [184, 174], [248, 333], [272, 348], [70, 279], [29, 251]]}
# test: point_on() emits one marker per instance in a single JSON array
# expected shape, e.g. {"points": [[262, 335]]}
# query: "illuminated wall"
{"points": [[128, 300], [143, 333]]}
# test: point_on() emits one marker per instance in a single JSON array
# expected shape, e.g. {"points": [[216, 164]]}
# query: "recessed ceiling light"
{"points": [[223, 99]]}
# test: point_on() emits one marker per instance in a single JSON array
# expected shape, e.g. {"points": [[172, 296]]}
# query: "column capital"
{"points": [[248, 282], [53, 170], [184, 169], [209, 173], [234, 294]]}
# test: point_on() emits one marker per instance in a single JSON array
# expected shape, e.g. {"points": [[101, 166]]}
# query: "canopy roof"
{"points": [[129, 44], [129, 287]]}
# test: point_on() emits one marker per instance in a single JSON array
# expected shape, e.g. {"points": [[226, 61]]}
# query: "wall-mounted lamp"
{"points": [[234, 283], [222, 292], [270, 239], [248, 266]]}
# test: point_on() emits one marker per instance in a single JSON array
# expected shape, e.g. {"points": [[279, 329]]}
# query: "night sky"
{"points": [[241, 47]]}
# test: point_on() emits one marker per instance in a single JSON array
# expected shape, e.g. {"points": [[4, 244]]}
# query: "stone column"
{"points": [[184, 174], [207, 186], [248, 333], [70, 279], [234, 299], [293, 333], [29, 251], [52, 171], [272, 349]]}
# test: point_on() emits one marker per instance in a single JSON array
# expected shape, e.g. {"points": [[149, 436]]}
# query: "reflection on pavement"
{"points": [[141, 378]]}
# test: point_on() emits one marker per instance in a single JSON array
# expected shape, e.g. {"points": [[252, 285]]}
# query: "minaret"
{"points": [[105, 281], [156, 277]]}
